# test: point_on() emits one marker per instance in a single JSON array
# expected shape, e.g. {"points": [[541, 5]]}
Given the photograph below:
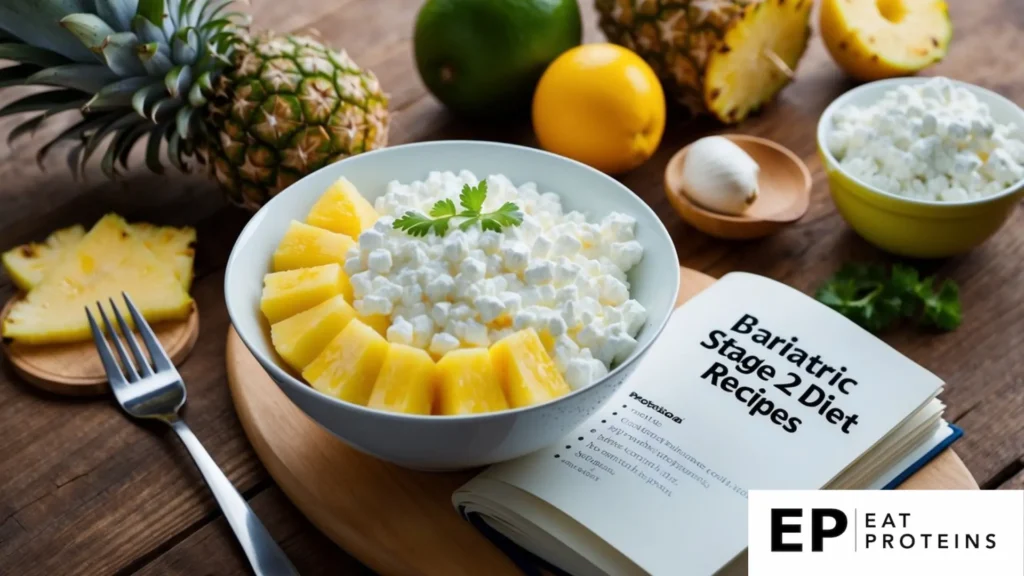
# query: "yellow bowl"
{"points": [[907, 226]]}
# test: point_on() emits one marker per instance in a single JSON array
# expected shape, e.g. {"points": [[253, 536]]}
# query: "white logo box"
{"points": [[887, 532]]}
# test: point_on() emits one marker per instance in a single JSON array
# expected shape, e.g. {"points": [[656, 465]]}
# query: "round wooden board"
{"points": [[74, 369], [399, 521]]}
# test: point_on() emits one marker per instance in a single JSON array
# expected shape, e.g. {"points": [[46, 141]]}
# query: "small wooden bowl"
{"points": [[784, 194]]}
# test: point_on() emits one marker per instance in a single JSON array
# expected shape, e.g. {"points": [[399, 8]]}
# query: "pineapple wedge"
{"points": [[108, 260], [304, 246], [287, 293], [378, 322], [406, 382], [468, 383], [756, 57], [347, 368], [28, 263], [301, 338], [170, 244], [528, 375], [342, 209]]}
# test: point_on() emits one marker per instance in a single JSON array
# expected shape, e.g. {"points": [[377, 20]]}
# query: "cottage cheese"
{"points": [[929, 141], [556, 272]]}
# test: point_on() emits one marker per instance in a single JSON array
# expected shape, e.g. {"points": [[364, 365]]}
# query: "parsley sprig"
{"points": [[875, 300], [472, 201]]}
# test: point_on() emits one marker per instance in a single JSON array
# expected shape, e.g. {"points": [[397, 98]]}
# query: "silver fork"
{"points": [[158, 393]]}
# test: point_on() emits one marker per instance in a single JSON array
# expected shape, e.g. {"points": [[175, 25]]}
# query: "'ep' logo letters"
{"points": [[780, 527]]}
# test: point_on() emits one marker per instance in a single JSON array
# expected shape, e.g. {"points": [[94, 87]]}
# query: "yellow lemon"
{"points": [[602, 105]]}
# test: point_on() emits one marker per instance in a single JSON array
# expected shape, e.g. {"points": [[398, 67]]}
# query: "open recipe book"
{"points": [[752, 385]]}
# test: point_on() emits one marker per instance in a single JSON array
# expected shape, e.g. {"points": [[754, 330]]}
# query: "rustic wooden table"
{"points": [[85, 491]]}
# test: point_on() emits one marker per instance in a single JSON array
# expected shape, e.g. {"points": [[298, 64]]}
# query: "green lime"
{"points": [[483, 58]]}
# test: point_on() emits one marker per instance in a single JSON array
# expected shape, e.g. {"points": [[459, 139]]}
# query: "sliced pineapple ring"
{"points": [[342, 209], [28, 263], [756, 57], [348, 367], [304, 246], [301, 338], [407, 381], [874, 39], [107, 261]]}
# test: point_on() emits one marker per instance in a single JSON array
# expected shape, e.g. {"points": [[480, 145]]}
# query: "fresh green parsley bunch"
{"points": [[875, 300]]}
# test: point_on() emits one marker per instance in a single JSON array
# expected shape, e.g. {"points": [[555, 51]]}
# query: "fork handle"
{"points": [[265, 556]]}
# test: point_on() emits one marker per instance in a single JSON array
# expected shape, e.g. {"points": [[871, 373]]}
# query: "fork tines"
{"points": [[141, 367]]}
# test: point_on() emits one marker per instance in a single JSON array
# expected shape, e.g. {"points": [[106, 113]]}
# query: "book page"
{"points": [[753, 385]]}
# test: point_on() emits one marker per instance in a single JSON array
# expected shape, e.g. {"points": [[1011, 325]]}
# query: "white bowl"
{"points": [[451, 442]]}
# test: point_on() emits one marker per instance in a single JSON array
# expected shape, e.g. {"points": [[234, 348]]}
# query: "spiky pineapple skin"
{"points": [[681, 40], [287, 106]]}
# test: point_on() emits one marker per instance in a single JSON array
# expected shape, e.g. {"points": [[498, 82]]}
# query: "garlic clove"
{"points": [[719, 176]]}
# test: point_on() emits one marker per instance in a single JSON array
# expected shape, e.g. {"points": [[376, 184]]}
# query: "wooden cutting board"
{"points": [[399, 521]]}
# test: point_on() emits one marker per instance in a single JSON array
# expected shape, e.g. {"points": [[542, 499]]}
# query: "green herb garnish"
{"points": [[472, 201], [865, 294]]}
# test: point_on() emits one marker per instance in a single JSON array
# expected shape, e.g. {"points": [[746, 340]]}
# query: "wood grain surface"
{"points": [[399, 521], [85, 491]]}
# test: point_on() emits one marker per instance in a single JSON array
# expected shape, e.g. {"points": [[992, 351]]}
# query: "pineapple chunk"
{"points": [[304, 246], [302, 337], [170, 244], [287, 293], [342, 209], [468, 383], [406, 382], [528, 375], [347, 368], [28, 263], [106, 262], [755, 58], [378, 322]]}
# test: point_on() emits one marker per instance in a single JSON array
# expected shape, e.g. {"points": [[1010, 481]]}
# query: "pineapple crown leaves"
{"points": [[132, 68]]}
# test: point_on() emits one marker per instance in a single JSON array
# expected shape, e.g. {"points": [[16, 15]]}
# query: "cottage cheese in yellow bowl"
{"points": [[923, 167]]}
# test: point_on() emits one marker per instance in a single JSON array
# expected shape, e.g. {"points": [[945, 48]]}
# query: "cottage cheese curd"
{"points": [[556, 272], [929, 141]]}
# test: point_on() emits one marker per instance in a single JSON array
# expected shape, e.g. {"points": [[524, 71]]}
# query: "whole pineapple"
{"points": [[726, 57], [260, 111]]}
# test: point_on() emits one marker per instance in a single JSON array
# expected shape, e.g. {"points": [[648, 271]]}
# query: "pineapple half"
{"points": [[28, 264], [259, 110], [726, 57], [108, 260]]}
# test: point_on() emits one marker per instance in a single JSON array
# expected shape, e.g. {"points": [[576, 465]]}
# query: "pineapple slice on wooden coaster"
{"points": [[756, 57], [170, 244], [528, 375], [342, 209], [406, 381], [28, 263], [108, 260], [468, 383]]}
